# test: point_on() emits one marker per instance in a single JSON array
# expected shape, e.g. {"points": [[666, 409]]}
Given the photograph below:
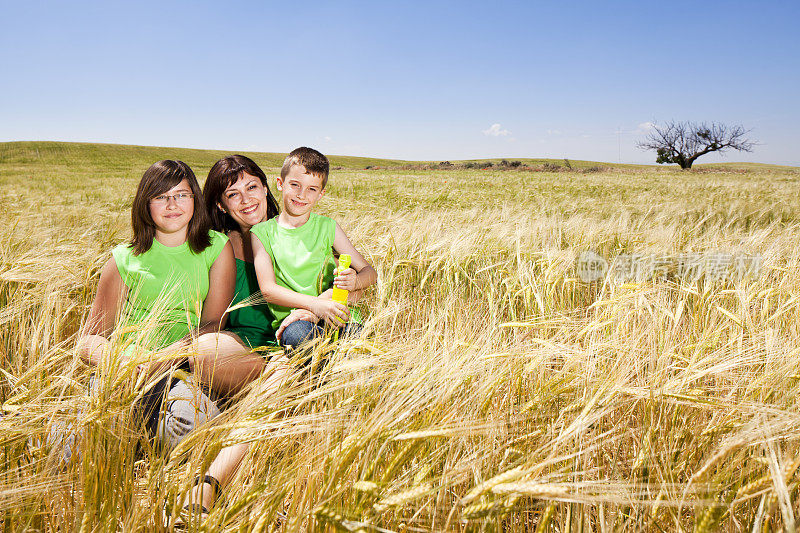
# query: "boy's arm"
{"points": [[360, 275], [326, 310]]}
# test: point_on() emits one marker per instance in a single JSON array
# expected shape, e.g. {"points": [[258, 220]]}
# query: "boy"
{"points": [[293, 253]]}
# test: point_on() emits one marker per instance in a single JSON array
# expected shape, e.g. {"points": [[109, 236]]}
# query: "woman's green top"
{"points": [[253, 323], [302, 257], [167, 286]]}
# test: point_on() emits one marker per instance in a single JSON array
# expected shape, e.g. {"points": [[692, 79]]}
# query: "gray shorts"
{"points": [[185, 408]]}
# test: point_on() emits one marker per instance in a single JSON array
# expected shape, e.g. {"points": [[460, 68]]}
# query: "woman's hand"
{"points": [[346, 279], [333, 313], [169, 357], [294, 316], [154, 368]]}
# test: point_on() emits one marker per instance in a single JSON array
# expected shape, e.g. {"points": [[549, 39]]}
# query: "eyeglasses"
{"points": [[180, 198]]}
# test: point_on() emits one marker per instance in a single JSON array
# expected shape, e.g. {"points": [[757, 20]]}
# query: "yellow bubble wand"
{"points": [[340, 295]]}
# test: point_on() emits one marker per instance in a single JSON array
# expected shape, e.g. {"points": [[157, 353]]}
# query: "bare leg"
{"points": [[222, 468], [224, 362], [228, 460]]}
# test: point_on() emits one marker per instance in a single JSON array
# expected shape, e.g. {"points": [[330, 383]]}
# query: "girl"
{"points": [[170, 286]]}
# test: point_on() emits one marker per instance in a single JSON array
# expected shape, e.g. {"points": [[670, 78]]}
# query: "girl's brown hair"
{"points": [[158, 179], [222, 175]]}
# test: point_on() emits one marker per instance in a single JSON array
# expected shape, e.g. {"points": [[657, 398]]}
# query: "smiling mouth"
{"points": [[249, 210]]}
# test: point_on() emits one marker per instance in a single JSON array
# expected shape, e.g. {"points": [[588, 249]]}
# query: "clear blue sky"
{"points": [[410, 80]]}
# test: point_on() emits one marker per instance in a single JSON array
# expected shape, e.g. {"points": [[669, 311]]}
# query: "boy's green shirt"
{"points": [[302, 257]]}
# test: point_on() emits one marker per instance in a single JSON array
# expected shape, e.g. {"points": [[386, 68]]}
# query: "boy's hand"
{"points": [[294, 316], [333, 313], [346, 279]]}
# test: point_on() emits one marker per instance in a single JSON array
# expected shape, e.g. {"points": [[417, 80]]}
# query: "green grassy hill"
{"points": [[118, 157], [121, 157]]}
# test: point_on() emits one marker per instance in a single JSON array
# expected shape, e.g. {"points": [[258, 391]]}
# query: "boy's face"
{"points": [[300, 191]]}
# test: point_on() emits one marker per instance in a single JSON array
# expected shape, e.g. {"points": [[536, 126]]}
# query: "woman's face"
{"points": [[245, 201], [172, 210]]}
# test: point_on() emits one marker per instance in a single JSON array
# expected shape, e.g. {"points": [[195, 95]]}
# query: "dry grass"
{"points": [[493, 391]]}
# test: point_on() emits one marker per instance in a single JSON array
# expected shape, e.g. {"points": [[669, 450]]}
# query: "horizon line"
{"points": [[438, 160]]}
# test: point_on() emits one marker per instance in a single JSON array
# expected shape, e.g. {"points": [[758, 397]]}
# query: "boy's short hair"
{"points": [[314, 162]]}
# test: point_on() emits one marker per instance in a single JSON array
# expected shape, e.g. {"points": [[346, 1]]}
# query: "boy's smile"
{"points": [[300, 192]]}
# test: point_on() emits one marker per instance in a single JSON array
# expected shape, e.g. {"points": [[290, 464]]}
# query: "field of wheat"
{"points": [[494, 389]]}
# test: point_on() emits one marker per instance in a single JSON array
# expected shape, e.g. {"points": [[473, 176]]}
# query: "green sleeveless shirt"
{"points": [[166, 289], [253, 323], [302, 258]]}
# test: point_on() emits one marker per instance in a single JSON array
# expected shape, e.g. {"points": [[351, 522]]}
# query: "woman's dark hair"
{"points": [[157, 180], [222, 175]]}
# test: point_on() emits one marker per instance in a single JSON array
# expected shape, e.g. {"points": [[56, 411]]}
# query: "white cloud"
{"points": [[327, 139], [553, 132], [496, 130], [645, 127]]}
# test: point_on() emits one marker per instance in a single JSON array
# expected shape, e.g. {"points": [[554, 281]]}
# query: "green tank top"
{"points": [[301, 257], [253, 324], [166, 289]]}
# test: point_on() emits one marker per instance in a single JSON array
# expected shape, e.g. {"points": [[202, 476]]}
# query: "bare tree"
{"points": [[683, 142]]}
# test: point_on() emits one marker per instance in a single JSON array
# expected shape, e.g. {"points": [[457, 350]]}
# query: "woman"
{"points": [[237, 198], [170, 286]]}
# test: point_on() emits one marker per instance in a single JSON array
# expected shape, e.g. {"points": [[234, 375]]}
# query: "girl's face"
{"points": [[172, 210], [245, 201]]}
